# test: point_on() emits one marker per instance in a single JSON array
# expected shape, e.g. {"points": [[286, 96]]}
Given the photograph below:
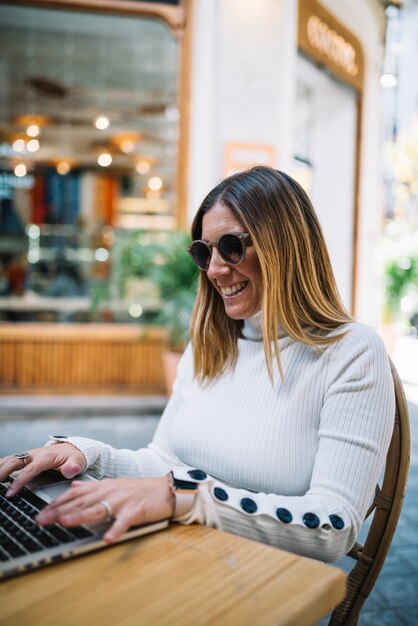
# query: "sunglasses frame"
{"points": [[244, 239]]}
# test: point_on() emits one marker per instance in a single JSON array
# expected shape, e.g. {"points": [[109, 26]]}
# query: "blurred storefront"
{"points": [[118, 117], [93, 150], [90, 146], [297, 85]]}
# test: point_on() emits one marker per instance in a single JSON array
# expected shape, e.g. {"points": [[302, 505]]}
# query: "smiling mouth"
{"points": [[234, 290]]}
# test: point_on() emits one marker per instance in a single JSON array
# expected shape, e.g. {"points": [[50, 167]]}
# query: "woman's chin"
{"points": [[239, 311]]}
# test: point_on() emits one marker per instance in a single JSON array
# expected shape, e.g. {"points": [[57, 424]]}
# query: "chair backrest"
{"points": [[387, 505]]}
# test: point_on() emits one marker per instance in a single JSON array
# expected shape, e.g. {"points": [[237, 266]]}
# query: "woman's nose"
{"points": [[217, 266]]}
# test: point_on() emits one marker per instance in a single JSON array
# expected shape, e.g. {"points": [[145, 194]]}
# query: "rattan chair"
{"points": [[386, 505]]}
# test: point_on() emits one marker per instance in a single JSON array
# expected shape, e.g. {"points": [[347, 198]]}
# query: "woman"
{"points": [[283, 406]]}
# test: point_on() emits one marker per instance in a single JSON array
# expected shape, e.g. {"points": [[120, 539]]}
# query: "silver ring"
{"points": [[106, 504], [22, 456]]}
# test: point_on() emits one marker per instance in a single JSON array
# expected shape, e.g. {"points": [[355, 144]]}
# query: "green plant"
{"points": [[176, 276], [400, 270], [134, 256], [158, 261], [99, 293], [400, 274]]}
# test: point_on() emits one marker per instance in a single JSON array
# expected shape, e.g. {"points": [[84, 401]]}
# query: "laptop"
{"points": [[25, 546]]}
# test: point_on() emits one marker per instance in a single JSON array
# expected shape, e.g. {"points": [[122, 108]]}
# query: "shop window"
{"points": [[89, 126]]}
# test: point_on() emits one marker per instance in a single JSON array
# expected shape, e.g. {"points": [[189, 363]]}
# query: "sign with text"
{"points": [[242, 156], [324, 38]]}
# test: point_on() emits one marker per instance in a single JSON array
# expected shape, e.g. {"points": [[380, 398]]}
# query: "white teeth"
{"points": [[234, 289]]}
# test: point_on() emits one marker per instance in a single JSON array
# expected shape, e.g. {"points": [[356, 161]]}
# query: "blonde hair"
{"points": [[299, 291]]}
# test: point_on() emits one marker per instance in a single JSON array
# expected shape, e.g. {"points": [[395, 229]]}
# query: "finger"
{"points": [[88, 515], [74, 496], [32, 469], [5, 464], [119, 527], [70, 468], [63, 506], [53, 511], [12, 463]]}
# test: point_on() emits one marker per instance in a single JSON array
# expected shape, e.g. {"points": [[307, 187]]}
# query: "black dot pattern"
{"points": [[337, 522], [248, 505], [220, 494], [310, 520], [284, 515], [197, 474]]}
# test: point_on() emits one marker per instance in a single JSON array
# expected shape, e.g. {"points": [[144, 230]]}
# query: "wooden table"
{"points": [[181, 576]]}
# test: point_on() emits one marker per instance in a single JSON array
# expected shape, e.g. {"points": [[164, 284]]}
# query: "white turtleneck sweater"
{"points": [[293, 465]]}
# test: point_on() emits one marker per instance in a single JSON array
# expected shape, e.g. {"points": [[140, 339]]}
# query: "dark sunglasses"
{"points": [[231, 247]]}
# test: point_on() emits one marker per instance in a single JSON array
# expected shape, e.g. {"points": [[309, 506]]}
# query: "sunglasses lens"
{"points": [[231, 249], [201, 254]]}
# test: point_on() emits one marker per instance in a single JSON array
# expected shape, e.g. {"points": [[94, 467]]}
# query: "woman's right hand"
{"points": [[63, 457]]}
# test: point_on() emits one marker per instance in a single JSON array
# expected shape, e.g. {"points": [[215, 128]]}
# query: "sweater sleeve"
{"points": [[103, 460], [356, 423]]}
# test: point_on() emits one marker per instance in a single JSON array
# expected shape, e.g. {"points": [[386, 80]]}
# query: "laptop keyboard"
{"points": [[19, 533]]}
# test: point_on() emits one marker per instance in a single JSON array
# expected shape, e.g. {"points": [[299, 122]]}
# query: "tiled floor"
{"points": [[26, 422]]}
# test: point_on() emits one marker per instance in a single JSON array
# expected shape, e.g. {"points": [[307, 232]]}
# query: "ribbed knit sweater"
{"points": [[292, 464]]}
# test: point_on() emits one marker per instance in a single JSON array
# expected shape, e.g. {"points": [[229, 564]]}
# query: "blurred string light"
{"points": [[155, 183], [63, 167], [33, 130], [101, 254], [102, 122], [388, 81], [143, 167], [126, 141], [20, 170], [104, 159], [32, 145], [19, 145], [135, 310], [127, 146], [33, 232]]}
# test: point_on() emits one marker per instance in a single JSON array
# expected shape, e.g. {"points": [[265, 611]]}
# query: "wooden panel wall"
{"points": [[77, 358]]}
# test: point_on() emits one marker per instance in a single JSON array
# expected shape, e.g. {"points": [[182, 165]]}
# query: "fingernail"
{"points": [[10, 492]]}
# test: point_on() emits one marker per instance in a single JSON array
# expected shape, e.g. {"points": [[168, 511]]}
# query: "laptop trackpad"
{"points": [[49, 485]]}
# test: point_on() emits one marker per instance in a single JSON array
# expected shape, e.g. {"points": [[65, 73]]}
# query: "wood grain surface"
{"points": [[185, 575]]}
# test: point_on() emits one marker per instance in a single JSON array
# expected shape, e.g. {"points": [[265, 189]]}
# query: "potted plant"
{"points": [[155, 264], [135, 253], [176, 277]]}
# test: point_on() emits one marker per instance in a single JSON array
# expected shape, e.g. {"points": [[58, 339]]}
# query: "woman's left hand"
{"points": [[131, 501]]}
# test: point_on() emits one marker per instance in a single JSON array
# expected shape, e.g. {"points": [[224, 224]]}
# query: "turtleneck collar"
{"points": [[253, 327]]}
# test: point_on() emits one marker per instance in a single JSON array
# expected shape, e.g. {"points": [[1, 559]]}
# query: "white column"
{"points": [[244, 55]]}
